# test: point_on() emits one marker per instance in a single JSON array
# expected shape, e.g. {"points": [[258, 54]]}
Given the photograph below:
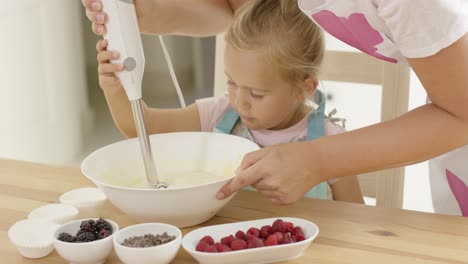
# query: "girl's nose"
{"points": [[242, 100]]}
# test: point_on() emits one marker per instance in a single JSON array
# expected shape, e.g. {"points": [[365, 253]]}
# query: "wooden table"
{"points": [[349, 233]]}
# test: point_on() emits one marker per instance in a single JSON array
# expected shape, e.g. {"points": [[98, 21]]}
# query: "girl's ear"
{"points": [[308, 87]]}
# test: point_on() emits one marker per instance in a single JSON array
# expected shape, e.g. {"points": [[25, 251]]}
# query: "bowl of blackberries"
{"points": [[85, 241]]}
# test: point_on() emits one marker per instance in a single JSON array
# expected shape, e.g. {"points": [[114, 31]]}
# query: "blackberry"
{"points": [[89, 226], [86, 237], [103, 224], [65, 237], [80, 232]]}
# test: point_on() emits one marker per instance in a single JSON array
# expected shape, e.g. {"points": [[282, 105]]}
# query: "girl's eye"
{"points": [[256, 96], [231, 83]]}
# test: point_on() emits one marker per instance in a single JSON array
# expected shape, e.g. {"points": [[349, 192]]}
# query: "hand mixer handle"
{"points": [[123, 35]]}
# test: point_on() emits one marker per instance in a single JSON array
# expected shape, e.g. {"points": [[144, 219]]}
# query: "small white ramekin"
{"points": [[33, 238], [161, 254], [95, 252], [89, 201], [55, 213]]}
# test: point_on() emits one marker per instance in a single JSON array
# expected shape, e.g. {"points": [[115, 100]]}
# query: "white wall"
{"points": [[43, 96]]}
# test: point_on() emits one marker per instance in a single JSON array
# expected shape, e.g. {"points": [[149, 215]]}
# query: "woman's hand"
{"points": [[108, 80], [98, 18], [169, 17], [95, 15], [283, 173]]}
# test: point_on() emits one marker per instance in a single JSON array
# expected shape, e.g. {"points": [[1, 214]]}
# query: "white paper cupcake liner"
{"points": [[55, 213], [88, 201], [90, 209], [33, 238]]}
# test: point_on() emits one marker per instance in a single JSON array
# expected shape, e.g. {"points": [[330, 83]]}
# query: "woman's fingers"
{"points": [[244, 178], [95, 15], [98, 18], [94, 5], [101, 45], [247, 174], [98, 29], [251, 158]]}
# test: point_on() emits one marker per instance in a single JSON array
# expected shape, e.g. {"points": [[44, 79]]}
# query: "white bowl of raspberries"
{"points": [[85, 241], [258, 241]]}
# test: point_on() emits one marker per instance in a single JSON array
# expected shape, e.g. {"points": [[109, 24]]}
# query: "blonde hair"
{"points": [[292, 41]]}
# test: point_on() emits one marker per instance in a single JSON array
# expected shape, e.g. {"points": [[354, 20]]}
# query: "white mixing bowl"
{"points": [[117, 166]]}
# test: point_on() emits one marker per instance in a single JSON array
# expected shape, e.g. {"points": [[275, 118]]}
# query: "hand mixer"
{"points": [[123, 35]]}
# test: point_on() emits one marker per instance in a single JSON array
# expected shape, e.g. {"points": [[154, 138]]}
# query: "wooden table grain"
{"points": [[349, 233]]}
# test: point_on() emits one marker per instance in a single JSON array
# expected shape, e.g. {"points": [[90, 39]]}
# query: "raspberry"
{"points": [[217, 245], [287, 239], [298, 234], [265, 231], [255, 242], [297, 230], [211, 249], [202, 246], [65, 237], [279, 235], [222, 248], [272, 240], [208, 239], [227, 240], [253, 231], [240, 234], [298, 237], [276, 225], [286, 227], [238, 244]]}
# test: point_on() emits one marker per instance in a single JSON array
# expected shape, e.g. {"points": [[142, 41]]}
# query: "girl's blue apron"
{"points": [[315, 129]]}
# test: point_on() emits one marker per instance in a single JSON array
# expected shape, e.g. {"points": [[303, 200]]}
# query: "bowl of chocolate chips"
{"points": [[148, 243], [85, 241]]}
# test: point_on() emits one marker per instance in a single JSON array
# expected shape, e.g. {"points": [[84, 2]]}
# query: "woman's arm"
{"points": [[418, 135], [175, 17], [347, 189], [185, 17]]}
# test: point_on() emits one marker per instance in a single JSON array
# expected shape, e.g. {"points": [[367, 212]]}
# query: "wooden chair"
{"points": [[355, 67]]}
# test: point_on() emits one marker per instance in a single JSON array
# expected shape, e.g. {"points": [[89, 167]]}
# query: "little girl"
{"points": [[270, 87]]}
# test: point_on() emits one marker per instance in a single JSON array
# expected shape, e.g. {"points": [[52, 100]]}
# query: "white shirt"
{"points": [[392, 29]]}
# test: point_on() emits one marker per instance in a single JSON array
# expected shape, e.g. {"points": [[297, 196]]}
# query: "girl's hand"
{"points": [[283, 173], [108, 81]]}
